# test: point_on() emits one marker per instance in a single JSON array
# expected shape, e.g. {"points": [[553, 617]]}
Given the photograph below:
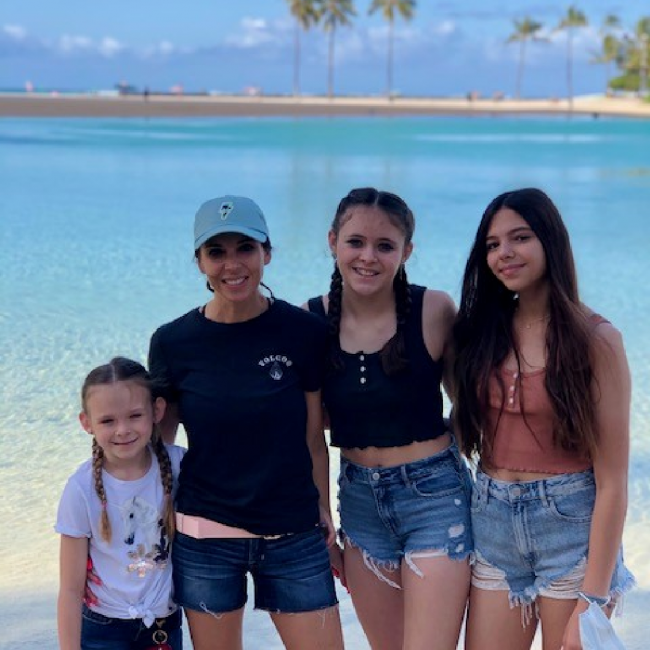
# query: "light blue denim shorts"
{"points": [[532, 537], [420, 509]]}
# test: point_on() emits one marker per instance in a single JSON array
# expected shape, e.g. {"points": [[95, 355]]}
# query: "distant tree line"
{"points": [[626, 50]]}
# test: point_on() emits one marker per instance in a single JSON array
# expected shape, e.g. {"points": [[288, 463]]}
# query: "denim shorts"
{"points": [[99, 632], [532, 537], [420, 509], [291, 574]]}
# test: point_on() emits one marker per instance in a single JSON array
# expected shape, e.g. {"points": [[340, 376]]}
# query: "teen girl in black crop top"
{"points": [[403, 490]]}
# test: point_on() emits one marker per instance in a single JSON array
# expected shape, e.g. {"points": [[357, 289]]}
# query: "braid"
{"points": [[334, 319], [393, 354], [98, 463], [167, 479]]}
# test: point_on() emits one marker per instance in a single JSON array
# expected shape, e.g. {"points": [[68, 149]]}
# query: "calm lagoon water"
{"points": [[96, 237]]}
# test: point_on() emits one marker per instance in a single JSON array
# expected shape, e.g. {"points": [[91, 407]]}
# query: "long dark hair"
{"points": [[393, 354], [483, 333]]}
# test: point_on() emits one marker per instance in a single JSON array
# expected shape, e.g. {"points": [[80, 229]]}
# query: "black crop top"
{"points": [[369, 409]]}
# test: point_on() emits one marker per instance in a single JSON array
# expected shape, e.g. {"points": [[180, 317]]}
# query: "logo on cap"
{"points": [[226, 209]]}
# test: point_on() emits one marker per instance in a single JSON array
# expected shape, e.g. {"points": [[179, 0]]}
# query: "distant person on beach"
{"points": [[542, 399], [117, 512], [243, 375], [403, 489]]}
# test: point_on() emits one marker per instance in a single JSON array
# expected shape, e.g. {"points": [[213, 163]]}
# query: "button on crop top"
{"points": [[525, 445], [367, 408]]}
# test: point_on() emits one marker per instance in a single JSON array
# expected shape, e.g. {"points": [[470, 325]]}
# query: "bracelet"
{"points": [[597, 600]]}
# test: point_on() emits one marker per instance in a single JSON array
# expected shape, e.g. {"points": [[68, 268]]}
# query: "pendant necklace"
{"points": [[537, 320]]}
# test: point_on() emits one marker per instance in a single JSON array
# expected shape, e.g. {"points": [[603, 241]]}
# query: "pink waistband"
{"points": [[200, 528]]}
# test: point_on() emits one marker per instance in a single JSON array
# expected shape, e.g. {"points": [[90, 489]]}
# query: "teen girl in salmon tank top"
{"points": [[542, 398]]}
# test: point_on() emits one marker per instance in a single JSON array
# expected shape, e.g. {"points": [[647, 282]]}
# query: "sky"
{"points": [[448, 48]]}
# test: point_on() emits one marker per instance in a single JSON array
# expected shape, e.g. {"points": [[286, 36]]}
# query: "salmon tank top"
{"points": [[521, 443]]}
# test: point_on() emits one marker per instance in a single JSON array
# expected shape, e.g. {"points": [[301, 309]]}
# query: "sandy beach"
{"points": [[101, 105]]}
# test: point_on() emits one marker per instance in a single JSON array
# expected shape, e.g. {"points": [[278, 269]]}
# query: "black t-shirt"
{"points": [[240, 390]]}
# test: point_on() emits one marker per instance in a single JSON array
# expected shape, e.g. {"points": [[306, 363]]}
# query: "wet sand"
{"points": [[89, 105]]}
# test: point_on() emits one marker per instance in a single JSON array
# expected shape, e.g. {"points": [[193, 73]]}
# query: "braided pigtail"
{"points": [[334, 319], [98, 464], [393, 354], [167, 479]]}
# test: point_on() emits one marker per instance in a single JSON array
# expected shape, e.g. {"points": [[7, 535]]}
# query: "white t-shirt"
{"points": [[135, 567]]}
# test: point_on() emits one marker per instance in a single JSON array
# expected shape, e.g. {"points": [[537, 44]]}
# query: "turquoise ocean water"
{"points": [[96, 238]]}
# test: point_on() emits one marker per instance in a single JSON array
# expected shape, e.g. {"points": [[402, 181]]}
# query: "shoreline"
{"points": [[89, 105]]}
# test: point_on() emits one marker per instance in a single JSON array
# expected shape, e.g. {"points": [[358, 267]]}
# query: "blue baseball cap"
{"points": [[229, 214]]}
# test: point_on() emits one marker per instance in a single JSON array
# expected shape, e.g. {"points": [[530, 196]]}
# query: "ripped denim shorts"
{"points": [[420, 509], [532, 537]]}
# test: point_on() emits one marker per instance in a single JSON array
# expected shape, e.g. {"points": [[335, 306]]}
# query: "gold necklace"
{"points": [[529, 324]]}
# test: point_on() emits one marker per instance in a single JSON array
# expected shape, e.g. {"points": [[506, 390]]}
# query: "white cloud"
{"points": [[69, 44], [253, 33], [16, 32], [109, 47], [445, 28], [166, 48], [254, 23]]}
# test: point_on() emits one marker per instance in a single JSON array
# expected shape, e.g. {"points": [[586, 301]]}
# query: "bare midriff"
{"points": [[515, 476], [391, 456]]}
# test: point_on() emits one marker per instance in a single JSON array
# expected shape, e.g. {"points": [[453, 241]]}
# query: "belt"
{"points": [[201, 528]]}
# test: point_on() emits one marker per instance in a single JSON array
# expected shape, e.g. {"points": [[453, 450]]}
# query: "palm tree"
{"points": [[334, 13], [642, 54], [611, 23], [610, 46], [389, 9], [574, 18], [525, 30], [306, 14], [633, 58]]}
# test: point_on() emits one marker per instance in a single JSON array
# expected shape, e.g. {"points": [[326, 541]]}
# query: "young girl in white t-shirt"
{"points": [[116, 513]]}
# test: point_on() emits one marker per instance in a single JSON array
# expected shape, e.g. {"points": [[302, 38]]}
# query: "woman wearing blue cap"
{"points": [[242, 374]]}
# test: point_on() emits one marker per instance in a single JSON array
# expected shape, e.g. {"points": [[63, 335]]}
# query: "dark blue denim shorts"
{"points": [[99, 632], [420, 509], [291, 574]]}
